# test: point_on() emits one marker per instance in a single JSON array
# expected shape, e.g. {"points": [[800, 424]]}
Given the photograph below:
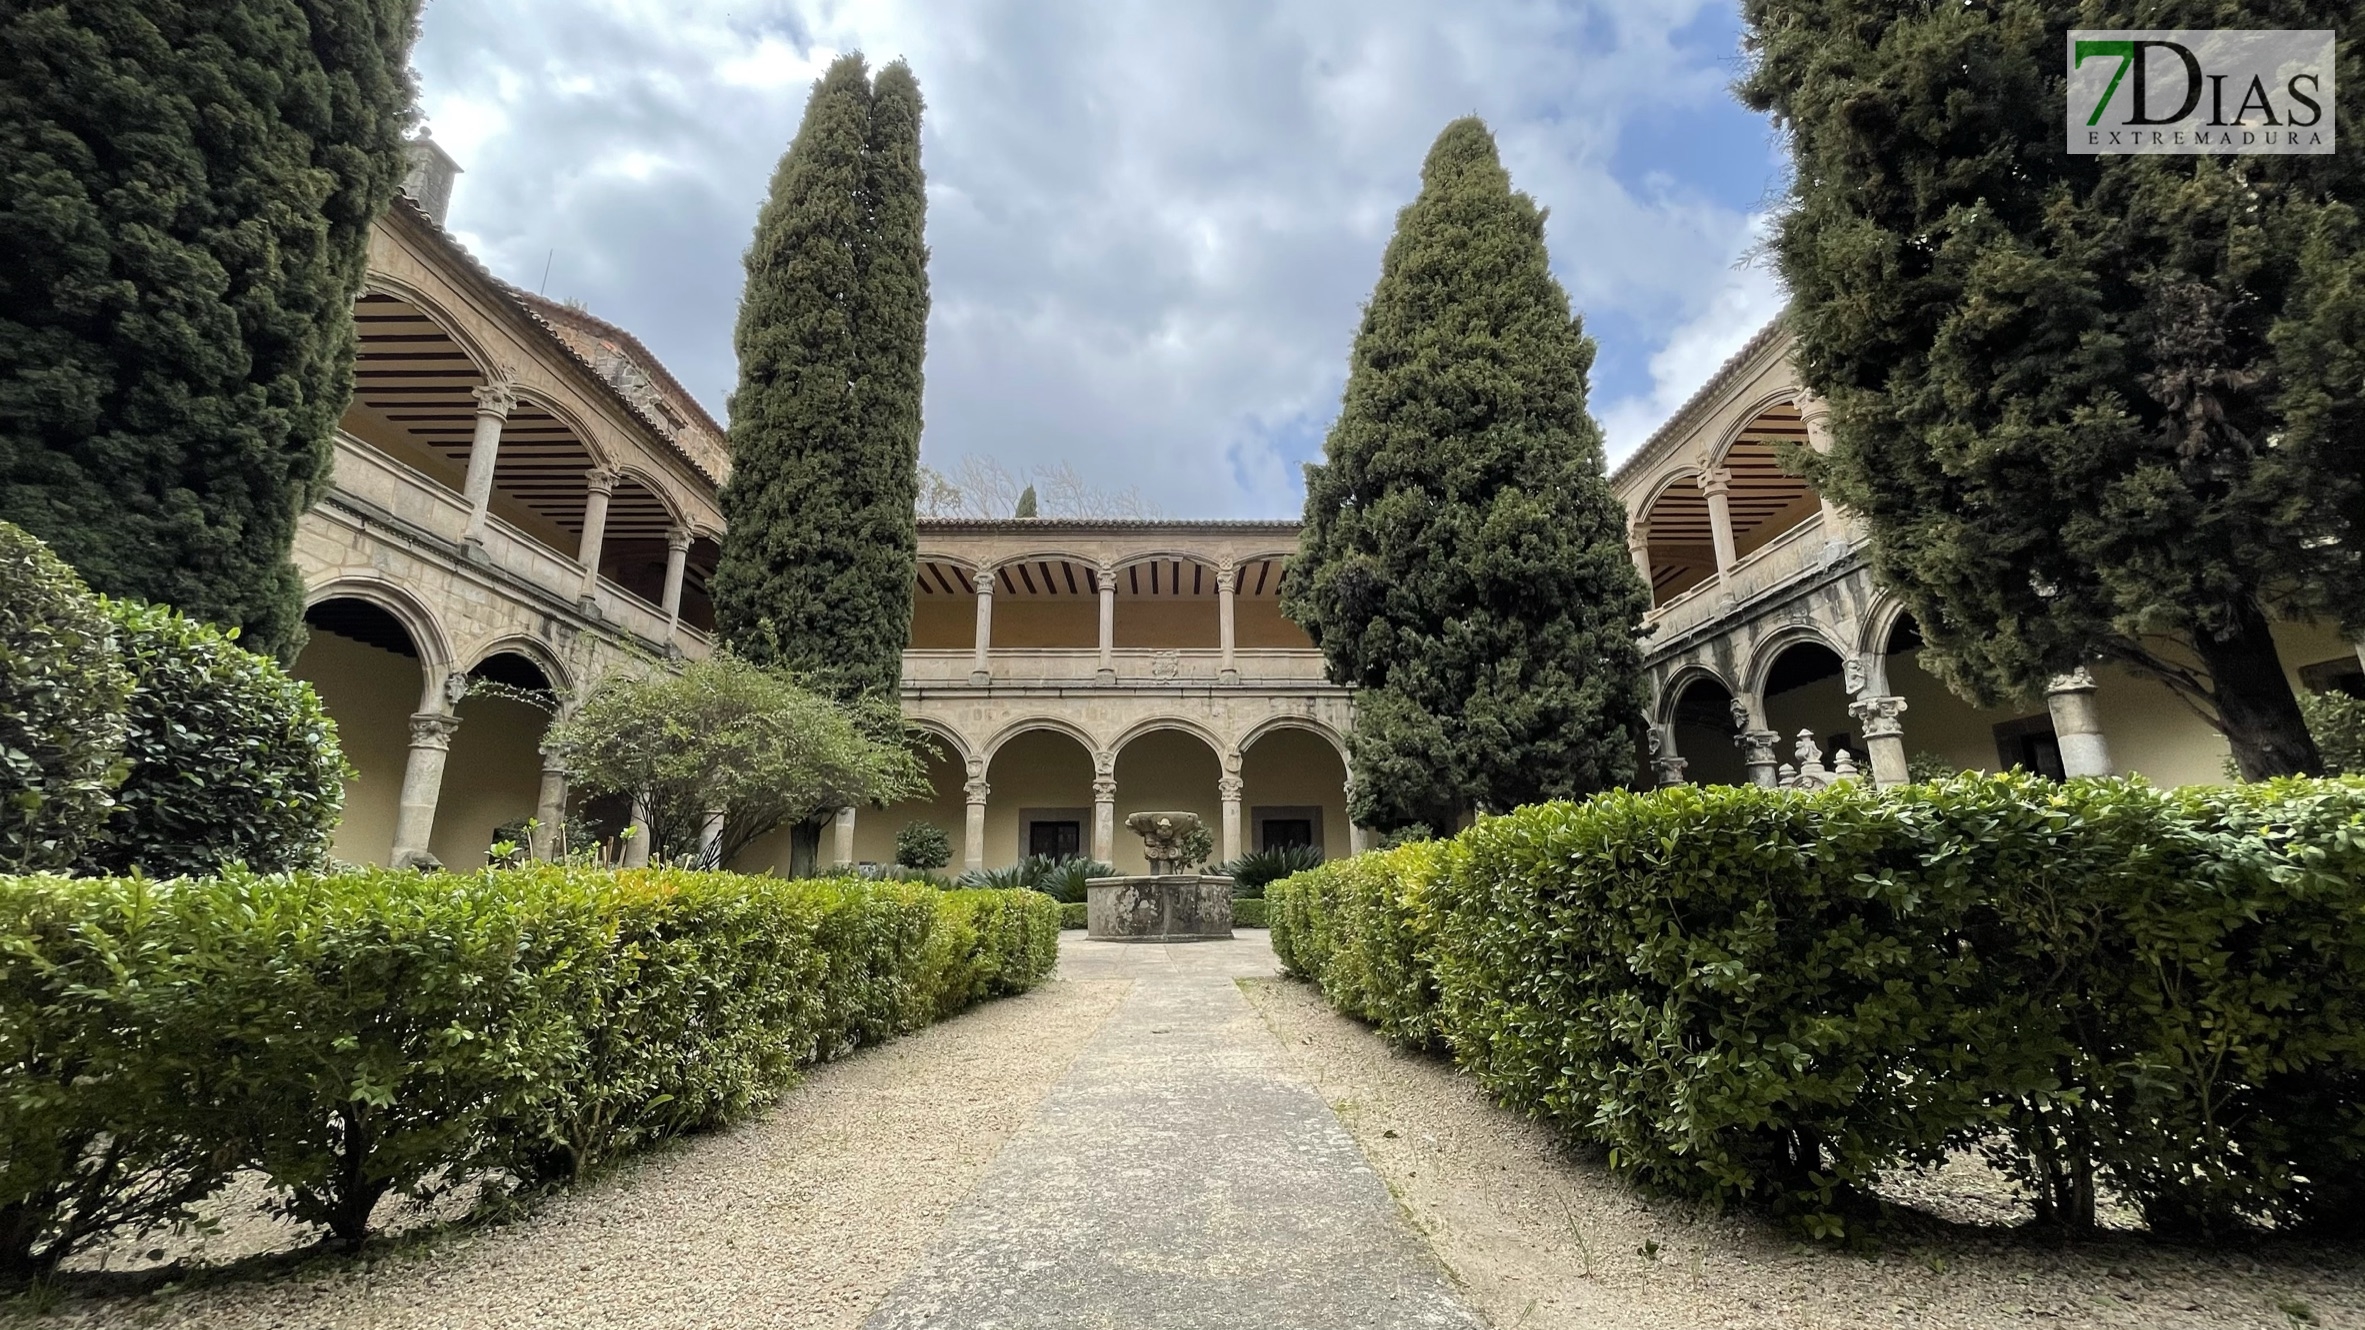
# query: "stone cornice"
{"points": [[1737, 366]]}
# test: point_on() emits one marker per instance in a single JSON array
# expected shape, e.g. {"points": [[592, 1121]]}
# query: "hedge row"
{"points": [[369, 1033], [1777, 997]]}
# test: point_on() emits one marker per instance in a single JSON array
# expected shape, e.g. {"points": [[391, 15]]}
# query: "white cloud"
{"points": [[1152, 225], [1749, 297]]}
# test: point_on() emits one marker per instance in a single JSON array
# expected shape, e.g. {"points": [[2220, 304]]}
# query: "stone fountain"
{"points": [[1168, 905]]}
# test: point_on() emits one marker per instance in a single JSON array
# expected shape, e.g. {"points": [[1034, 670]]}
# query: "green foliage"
{"points": [[1026, 502], [1060, 879], [923, 845], [1463, 562], [62, 692], [726, 735], [816, 569], [1922, 768], [1194, 848], [1253, 870], [2088, 406], [183, 237], [375, 1033], [1072, 915], [2338, 722], [231, 760], [1776, 997], [1248, 912]]}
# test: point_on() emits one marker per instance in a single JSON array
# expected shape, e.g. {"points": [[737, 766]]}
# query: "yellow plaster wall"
{"points": [[370, 694], [493, 775], [946, 806], [1257, 622], [1038, 769], [1063, 622], [1939, 723], [1168, 624], [944, 623], [1292, 768], [1160, 772]]}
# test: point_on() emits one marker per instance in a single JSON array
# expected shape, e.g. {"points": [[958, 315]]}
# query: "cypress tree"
{"points": [[2089, 407], [183, 231], [816, 570], [1463, 560]]}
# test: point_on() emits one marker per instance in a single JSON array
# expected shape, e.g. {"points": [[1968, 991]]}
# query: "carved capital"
{"points": [[1104, 789], [1757, 747], [1878, 716], [1715, 482], [1227, 577], [1231, 788], [1105, 577], [678, 539], [433, 729], [602, 479], [1670, 769], [2076, 681], [977, 790], [984, 582], [498, 397]]}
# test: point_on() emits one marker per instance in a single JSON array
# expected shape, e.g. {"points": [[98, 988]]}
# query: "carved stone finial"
{"points": [[1807, 751], [1843, 764]]}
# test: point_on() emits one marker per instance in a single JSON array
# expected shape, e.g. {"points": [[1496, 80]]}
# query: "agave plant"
{"points": [[1001, 879], [1252, 872], [1063, 879]]}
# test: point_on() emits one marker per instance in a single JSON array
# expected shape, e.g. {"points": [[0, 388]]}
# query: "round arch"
{"points": [[1337, 741], [1880, 622], [1224, 754], [1031, 724], [1164, 556], [1663, 483], [954, 740], [1742, 420], [1769, 649], [394, 288], [533, 649], [375, 588], [1671, 693], [666, 498], [575, 423], [1045, 554]]}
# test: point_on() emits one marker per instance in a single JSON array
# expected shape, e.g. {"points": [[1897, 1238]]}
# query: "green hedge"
{"points": [[1777, 997], [62, 689], [1072, 914], [1248, 912], [375, 1032]]}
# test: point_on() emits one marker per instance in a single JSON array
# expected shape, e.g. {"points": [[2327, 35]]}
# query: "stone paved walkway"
{"points": [[1178, 1176]]}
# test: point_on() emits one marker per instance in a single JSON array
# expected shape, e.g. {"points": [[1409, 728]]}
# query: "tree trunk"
{"points": [[2254, 700]]}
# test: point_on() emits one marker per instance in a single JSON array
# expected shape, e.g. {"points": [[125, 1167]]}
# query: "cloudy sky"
{"points": [[1153, 224]]}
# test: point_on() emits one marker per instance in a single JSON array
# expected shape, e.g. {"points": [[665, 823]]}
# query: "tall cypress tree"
{"points": [[183, 230], [2089, 407], [1463, 561], [816, 570]]}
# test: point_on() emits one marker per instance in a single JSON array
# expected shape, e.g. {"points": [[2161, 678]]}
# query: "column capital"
{"points": [[1715, 481], [433, 729], [498, 397], [1669, 769], [1226, 577], [977, 789], [1879, 716], [602, 479], [1638, 537], [984, 582], [678, 540], [1757, 747], [1105, 577], [1231, 788], [1104, 789], [2076, 681]]}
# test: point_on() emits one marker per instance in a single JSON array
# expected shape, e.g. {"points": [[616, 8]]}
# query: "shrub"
{"points": [[1073, 914], [230, 759], [62, 693], [1061, 879], [1252, 871], [1778, 997], [2337, 721], [375, 1033], [1248, 912], [923, 845]]}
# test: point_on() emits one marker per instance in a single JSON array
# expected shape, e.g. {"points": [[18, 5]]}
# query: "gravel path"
{"points": [[1539, 1239], [1181, 1175], [803, 1217]]}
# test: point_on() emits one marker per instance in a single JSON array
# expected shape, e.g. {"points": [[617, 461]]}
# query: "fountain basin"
{"points": [[1163, 907]]}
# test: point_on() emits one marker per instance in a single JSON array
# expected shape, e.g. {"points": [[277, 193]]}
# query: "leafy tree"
{"points": [[182, 236], [727, 735], [2089, 407], [63, 689], [2337, 720], [816, 570], [923, 845], [1464, 562]]}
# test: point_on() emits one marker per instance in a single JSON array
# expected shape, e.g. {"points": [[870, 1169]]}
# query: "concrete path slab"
{"points": [[1178, 1176]]}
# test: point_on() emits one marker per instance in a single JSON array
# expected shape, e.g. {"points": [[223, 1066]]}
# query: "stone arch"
{"points": [[1770, 647], [394, 288], [573, 419], [1674, 528], [963, 752], [1687, 674], [1166, 600], [1741, 421], [532, 648], [1028, 724], [1225, 755], [426, 632], [1337, 741], [1879, 622], [1696, 717]]}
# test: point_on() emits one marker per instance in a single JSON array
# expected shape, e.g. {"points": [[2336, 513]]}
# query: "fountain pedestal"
{"points": [[1167, 904]]}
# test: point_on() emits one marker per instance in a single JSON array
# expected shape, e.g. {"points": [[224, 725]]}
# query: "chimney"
{"points": [[429, 179]]}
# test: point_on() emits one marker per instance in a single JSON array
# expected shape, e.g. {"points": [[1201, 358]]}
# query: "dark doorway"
{"points": [[1055, 840]]}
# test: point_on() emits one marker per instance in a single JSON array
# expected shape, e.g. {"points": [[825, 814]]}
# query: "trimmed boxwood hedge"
{"points": [[1777, 997], [372, 1032]]}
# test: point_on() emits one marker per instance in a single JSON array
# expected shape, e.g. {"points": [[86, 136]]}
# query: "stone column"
{"points": [[494, 402], [1104, 818], [1716, 483], [1757, 754], [599, 484], [973, 840], [1638, 544], [1884, 738], [1107, 577], [1667, 767], [636, 846], [981, 672], [1230, 788], [1226, 579], [677, 562], [422, 784], [2077, 726], [550, 809], [845, 830]]}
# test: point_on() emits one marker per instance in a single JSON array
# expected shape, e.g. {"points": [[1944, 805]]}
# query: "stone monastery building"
{"points": [[523, 494]]}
